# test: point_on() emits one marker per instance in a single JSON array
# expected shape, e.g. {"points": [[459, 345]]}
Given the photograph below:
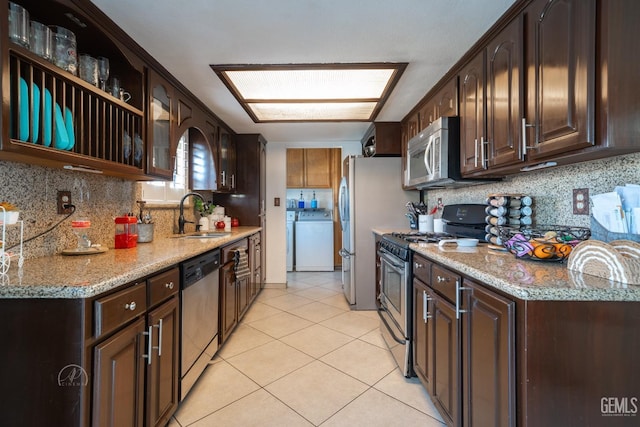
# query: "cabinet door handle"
{"points": [[169, 285], [233, 180], [130, 306], [159, 326], [475, 155], [223, 174], [458, 290], [525, 125], [425, 312], [483, 154], [149, 334]]}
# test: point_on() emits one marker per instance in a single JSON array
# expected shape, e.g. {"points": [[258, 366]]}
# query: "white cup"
{"points": [[425, 223], [438, 225]]}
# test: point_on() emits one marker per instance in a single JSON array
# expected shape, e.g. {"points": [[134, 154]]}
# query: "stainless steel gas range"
{"points": [[395, 299]]}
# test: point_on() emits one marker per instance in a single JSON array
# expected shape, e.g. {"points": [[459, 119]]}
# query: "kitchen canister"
{"points": [[425, 223], [145, 233], [126, 232], [65, 53]]}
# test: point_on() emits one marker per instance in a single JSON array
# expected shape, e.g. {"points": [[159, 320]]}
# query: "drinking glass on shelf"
{"points": [[103, 71]]}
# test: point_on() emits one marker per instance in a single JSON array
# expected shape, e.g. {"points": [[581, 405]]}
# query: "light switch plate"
{"points": [[581, 201]]}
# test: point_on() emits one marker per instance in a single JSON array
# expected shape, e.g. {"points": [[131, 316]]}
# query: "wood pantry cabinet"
{"points": [[309, 168]]}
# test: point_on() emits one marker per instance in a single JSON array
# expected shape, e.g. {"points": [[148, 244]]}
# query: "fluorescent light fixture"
{"points": [[311, 92]]}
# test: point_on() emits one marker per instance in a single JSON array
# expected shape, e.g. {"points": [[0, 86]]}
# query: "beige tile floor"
{"points": [[300, 357]]}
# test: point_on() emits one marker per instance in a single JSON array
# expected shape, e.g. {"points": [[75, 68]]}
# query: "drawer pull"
{"points": [[441, 279], [417, 265], [130, 306], [169, 285]]}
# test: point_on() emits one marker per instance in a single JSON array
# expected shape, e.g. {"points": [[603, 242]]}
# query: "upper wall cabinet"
{"points": [[561, 41], [161, 127], [382, 139], [309, 168], [53, 117], [472, 113], [504, 95], [227, 163]]}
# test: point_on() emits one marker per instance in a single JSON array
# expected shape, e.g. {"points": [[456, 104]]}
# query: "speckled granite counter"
{"points": [[85, 276], [527, 280]]}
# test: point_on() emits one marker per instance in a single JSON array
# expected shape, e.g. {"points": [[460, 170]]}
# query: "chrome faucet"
{"points": [[181, 220]]}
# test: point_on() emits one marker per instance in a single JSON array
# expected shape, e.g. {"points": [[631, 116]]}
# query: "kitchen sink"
{"points": [[205, 235]]}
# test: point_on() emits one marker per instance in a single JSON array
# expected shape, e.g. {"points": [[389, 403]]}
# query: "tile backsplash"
{"points": [[100, 198], [33, 189], [552, 188]]}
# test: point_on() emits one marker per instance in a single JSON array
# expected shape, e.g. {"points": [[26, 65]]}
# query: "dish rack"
{"points": [[5, 257]]}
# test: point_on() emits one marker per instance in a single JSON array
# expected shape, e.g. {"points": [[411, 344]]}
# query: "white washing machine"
{"points": [[291, 218], [314, 241]]}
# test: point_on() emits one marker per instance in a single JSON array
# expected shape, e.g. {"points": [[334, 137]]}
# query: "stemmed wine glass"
{"points": [[103, 71]]}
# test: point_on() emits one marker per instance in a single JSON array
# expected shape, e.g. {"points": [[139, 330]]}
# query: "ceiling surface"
{"points": [[186, 37]]}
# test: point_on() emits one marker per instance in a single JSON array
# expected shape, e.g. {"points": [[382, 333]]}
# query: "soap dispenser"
{"points": [[314, 202], [301, 201]]}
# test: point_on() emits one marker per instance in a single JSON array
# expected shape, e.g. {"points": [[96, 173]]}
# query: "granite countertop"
{"points": [[85, 276], [524, 279]]}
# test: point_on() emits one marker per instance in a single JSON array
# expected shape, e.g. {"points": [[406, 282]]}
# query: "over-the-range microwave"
{"points": [[433, 157]]}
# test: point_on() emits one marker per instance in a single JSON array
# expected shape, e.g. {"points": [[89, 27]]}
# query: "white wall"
{"points": [[276, 215]]}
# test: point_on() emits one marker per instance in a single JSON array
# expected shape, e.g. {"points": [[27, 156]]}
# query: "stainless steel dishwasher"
{"points": [[199, 324]]}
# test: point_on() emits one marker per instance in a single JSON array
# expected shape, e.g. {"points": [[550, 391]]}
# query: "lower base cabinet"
{"points": [[135, 370], [118, 378], [488, 357], [464, 351], [162, 371]]}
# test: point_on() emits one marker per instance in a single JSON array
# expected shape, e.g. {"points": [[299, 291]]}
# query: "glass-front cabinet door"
{"points": [[162, 144]]}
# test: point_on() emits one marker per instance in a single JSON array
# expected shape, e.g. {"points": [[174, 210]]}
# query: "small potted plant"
{"points": [[9, 213]]}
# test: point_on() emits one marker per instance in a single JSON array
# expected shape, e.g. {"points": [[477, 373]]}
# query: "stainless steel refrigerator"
{"points": [[370, 196]]}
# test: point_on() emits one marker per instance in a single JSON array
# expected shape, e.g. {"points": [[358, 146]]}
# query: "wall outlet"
{"points": [[64, 203], [581, 201]]}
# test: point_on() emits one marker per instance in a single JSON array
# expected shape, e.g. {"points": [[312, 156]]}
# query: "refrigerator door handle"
{"points": [[344, 253], [342, 203]]}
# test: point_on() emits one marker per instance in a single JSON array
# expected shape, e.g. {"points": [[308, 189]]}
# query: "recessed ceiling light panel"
{"points": [[311, 92]]}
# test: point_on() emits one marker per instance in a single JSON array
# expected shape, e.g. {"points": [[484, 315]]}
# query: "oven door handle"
{"points": [[389, 260], [389, 329]]}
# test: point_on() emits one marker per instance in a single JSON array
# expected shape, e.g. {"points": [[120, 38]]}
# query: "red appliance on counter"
{"points": [[126, 232]]}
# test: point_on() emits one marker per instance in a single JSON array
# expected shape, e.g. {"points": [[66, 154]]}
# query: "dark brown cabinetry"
{"points": [[163, 321], [145, 351], [464, 347], [162, 142], [248, 202], [118, 378], [560, 40], [443, 103], [504, 96], [255, 265], [488, 357], [234, 290], [473, 154], [382, 139], [55, 119], [226, 161], [309, 168]]}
